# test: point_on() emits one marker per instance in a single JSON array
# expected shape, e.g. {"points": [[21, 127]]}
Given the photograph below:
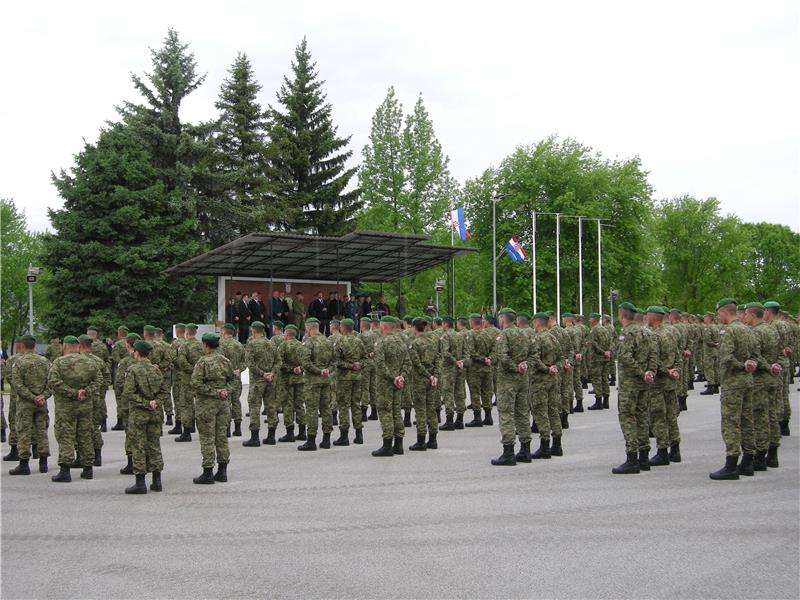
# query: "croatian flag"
{"points": [[458, 223], [515, 250]]}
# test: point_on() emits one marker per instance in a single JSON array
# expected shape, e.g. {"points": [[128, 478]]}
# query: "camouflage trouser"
{"points": [[584, 370], [737, 420], [348, 399], [12, 419], [143, 432], [710, 365], [546, 408], [318, 405], [565, 390], [683, 380], [213, 417], [690, 367], [334, 390], [177, 385], [3, 423], [389, 400], [460, 391], [598, 376], [122, 407], [480, 387], [494, 384], [292, 401], [787, 409], [272, 398], [513, 408], [164, 397], [761, 423], [408, 401], [98, 414], [31, 426], [236, 399], [186, 408], [577, 387], [426, 406], [447, 382], [74, 422], [664, 415], [262, 392], [775, 411], [369, 392], [634, 414]]}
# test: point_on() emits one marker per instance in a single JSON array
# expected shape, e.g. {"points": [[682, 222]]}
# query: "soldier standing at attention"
{"points": [[543, 359], [334, 337], [291, 380], [317, 361], [118, 352], [481, 347], [425, 359], [368, 390], [565, 375], [274, 394], [178, 380], [773, 317], [575, 334], [349, 355], [74, 379], [233, 350], [375, 330], [262, 362], [610, 370], [97, 399], [8, 369], [406, 330], [164, 352], [100, 350], [736, 366], [212, 383], [189, 352], [30, 382], [462, 370], [298, 312], [392, 365], [122, 407], [598, 350], [142, 391], [663, 400], [637, 371], [710, 355], [54, 349], [449, 346]]}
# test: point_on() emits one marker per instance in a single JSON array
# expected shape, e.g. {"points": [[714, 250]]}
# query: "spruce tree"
{"points": [[309, 159]]}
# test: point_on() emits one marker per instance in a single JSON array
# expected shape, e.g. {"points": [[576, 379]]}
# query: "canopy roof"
{"points": [[358, 256]]}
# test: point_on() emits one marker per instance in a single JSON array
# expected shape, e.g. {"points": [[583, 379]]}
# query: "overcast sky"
{"points": [[705, 93]]}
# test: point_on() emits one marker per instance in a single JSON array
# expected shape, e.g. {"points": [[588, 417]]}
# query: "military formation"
{"points": [[532, 367]]}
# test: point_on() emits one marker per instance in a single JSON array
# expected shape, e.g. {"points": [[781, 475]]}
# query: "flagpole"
{"points": [[533, 256], [580, 265], [599, 268], [558, 268], [453, 268], [494, 255]]}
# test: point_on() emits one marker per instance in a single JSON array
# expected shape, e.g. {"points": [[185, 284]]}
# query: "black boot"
{"points": [[207, 478], [584, 383], [13, 455], [598, 403], [682, 403], [343, 439], [487, 418], [506, 459], [191, 428], [746, 466], [700, 377], [168, 421], [325, 444], [335, 418], [543, 451], [534, 426], [118, 426], [289, 437], [177, 429], [128, 468], [459, 422], [103, 425], [270, 439], [644, 460], [87, 473], [605, 401], [385, 450], [139, 487], [373, 413], [524, 454], [185, 435], [660, 458], [691, 384], [301, 433], [237, 429], [76, 464], [264, 412], [592, 392], [222, 473], [613, 381], [783, 424], [363, 413], [432, 444], [155, 484], [407, 418], [420, 445], [579, 405], [254, 441], [772, 457], [22, 468], [555, 447], [398, 446], [564, 420], [42, 464], [709, 391], [310, 445], [3, 435], [228, 433], [728, 472], [359, 439], [630, 466], [760, 461], [476, 421], [675, 453], [34, 451], [448, 424], [62, 475], [98, 458]]}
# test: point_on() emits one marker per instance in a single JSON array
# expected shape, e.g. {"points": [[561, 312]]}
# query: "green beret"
{"points": [[347, 322], [133, 336], [771, 304], [550, 313], [656, 310], [26, 338], [594, 315], [387, 319], [408, 318], [740, 307], [725, 302], [210, 337], [335, 321], [159, 330], [312, 321], [567, 314], [540, 315], [627, 306], [180, 325], [254, 325], [91, 328], [151, 328], [231, 326], [291, 327], [189, 326], [474, 316], [507, 311], [123, 328], [70, 339], [377, 320], [365, 319], [84, 338], [754, 305], [523, 315], [277, 323], [447, 319], [143, 345], [461, 318], [419, 320]]}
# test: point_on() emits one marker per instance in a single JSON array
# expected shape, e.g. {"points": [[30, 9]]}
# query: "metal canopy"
{"points": [[357, 256]]}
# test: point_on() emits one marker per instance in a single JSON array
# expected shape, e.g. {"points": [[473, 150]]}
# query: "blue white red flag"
{"points": [[457, 221], [515, 250]]}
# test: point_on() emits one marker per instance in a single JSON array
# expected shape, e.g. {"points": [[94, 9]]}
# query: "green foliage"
{"points": [[772, 266]]}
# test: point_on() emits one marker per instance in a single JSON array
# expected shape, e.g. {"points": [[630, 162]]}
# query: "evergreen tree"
{"points": [[309, 159]]}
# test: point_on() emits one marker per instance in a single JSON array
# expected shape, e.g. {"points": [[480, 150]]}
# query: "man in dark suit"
{"points": [[244, 317], [319, 310], [257, 308], [278, 309]]}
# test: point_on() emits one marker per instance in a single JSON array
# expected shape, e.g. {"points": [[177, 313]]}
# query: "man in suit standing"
{"points": [[257, 308], [318, 309], [278, 310], [244, 317]]}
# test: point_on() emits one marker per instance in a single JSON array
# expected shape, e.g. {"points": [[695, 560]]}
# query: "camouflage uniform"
{"points": [[119, 388], [513, 408], [448, 346], [233, 350], [368, 385], [348, 350], [98, 399], [143, 383], [736, 346], [391, 359], [597, 342], [213, 372], [711, 339], [786, 338], [463, 352], [177, 380], [544, 399], [565, 388], [575, 333], [274, 396], [481, 347], [765, 386], [636, 355], [291, 356], [425, 361], [30, 380], [317, 354], [663, 400], [54, 350], [408, 336], [161, 356], [12, 398], [262, 357], [188, 353]]}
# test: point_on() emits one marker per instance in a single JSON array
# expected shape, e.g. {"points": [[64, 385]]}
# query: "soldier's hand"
{"points": [[648, 377], [687, 353], [398, 382], [460, 364], [39, 400], [222, 394], [434, 381], [553, 370], [487, 361], [81, 394], [607, 354], [237, 372], [297, 370], [371, 355], [673, 374], [787, 351], [151, 406], [324, 372], [750, 365], [567, 365], [356, 366], [578, 358], [776, 369], [522, 367]]}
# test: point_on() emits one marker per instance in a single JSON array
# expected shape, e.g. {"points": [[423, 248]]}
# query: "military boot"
{"points": [[139, 487], [62, 475], [177, 429], [385, 450], [728, 472], [22, 468], [301, 433], [155, 484], [524, 454], [506, 459], [207, 478], [459, 422], [420, 446], [675, 453], [325, 444], [709, 391], [42, 464], [432, 444], [660, 458], [630, 466], [98, 458], [592, 392], [34, 451], [76, 464], [363, 413], [310, 445], [169, 420], [343, 439], [772, 457], [564, 420], [373, 413], [760, 461], [534, 426], [448, 424], [191, 428], [13, 455], [398, 446], [555, 447], [476, 421], [237, 429], [544, 450], [644, 460], [746, 466], [254, 440], [228, 432], [128, 468], [359, 439], [185, 435], [487, 419], [103, 425], [598, 403], [682, 403], [584, 383], [407, 418], [579, 405], [289, 437], [118, 426], [605, 401], [691, 384], [700, 377], [270, 439], [2, 435], [783, 424], [222, 473], [87, 473]]}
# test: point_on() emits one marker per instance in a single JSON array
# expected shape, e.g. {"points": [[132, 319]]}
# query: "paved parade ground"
{"points": [[439, 524]]}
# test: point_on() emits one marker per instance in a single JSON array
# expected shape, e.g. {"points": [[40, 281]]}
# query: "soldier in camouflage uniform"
{"points": [[143, 383], [274, 394], [100, 350], [392, 366], [448, 346], [30, 383], [122, 406], [232, 349], [785, 335], [118, 352], [543, 358], [684, 354], [177, 381], [406, 329], [261, 359], [290, 359], [663, 398], [597, 349], [710, 355], [98, 399], [368, 389], [54, 349], [575, 334], [74, 379], [464, 352], [164, 351], [187, 355], [350, 356], [213, 385], [333, 337], [8, 375], [317, 360], [565, 388], [425, 361], [481, 347]]}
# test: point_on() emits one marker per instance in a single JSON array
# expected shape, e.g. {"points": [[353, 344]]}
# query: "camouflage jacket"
{"points": [[142, 383], [636, 353], [317, 354], [30, 376], [72, 372], [425, 356], [392, 358], [666, 356], [348, 350], [189, 352], [597, 342], [511, 348], [290, 355], [736, 345], [481, 346], [100, 350], [212, 372], [261, 356], [119, 351], [119, 377], [105, 373], [768, 352], [234, 351], [54, 350]]}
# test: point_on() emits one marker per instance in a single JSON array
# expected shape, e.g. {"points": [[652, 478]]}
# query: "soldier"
{"points": [[98, 400], [187, 355], [736, 367], [425, 361], [598, 350], [178, 379], [143, 383], [684, 355], [350, 356], [118, 352], [565, 374], [368, 390], [772, 316], [30, 383], [710, 355], [262, 362], [317, 361], [449, 346], [462, 372], [8, 368], [161, 356], [274, 394], [481, 347], [291, 376], [212, 384], [637, 371], [233, 350], [122, 406], [335, 335], [298, 313], [405, 329], [54, 349], [74, 379], [392, 365], [576, 336], [584, 366], [663, 400], [543, 358]]}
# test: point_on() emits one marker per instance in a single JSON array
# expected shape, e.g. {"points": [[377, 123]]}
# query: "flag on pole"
{"points": [[515, 250], [459, 224]]}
